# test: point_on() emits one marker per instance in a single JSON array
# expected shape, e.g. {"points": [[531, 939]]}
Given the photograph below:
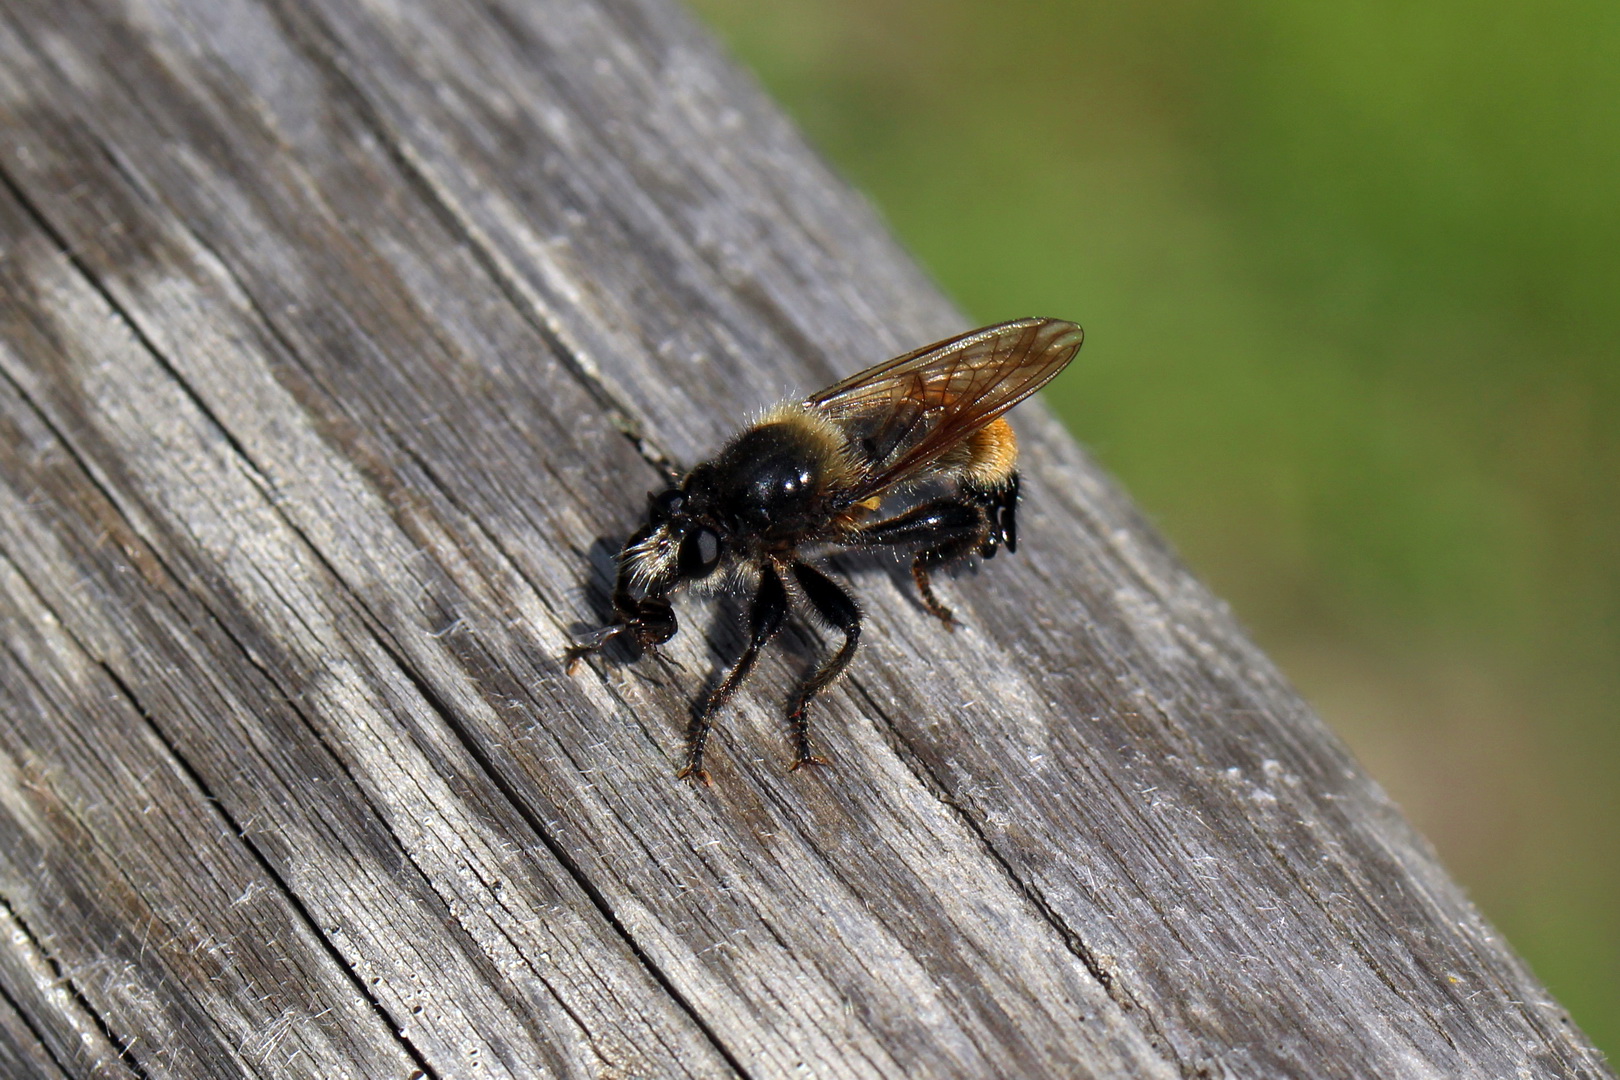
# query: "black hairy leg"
{"points": [[952, 551], [838, 610], [764, 620], [951, 529]]}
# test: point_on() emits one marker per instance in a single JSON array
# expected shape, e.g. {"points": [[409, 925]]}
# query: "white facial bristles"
{"points": [[652, 559]]}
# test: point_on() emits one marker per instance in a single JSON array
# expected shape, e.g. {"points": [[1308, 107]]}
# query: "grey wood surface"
{"points": [[339, 341]]}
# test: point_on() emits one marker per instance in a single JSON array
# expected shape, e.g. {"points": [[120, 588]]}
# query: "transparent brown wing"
{"points": [[907, 412]]}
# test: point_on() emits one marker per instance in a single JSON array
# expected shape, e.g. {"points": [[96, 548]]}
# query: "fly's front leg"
{"points": [[952, 529], [835, 607], [764, 620], [648, 620]]}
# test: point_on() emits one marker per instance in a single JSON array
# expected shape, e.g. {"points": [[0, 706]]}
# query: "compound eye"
{"points": [[666, 504], [700, 553]]}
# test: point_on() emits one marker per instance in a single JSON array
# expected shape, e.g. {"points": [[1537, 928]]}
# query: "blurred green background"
{"points": [[1350, 277]]}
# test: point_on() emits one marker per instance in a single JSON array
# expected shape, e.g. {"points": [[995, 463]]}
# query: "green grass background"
{"points": [[1350, 276]]}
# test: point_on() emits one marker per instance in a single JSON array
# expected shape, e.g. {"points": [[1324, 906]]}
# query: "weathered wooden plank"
{"points": [[127, 391], [292, 800], [136, 887], [406, 880], [326, 395], [379, 559]]}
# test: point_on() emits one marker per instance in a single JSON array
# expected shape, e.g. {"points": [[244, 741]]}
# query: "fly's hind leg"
{"points": [[952, 529], [952, 551], [835, 607], [999, 507]]}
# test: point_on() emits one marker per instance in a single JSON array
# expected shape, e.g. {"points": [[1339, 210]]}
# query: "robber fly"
{"points": [[814, 474]]}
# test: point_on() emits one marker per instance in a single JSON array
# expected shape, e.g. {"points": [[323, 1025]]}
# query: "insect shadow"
{"points": [[723, 630]]}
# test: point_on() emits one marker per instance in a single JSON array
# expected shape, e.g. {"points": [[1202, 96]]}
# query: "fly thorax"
{"points": [[772, 480]]}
